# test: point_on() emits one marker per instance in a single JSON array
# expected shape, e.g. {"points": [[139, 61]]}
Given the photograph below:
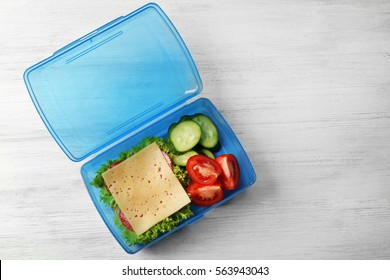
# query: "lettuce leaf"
{"points": [[165, 225], [181, 174]]}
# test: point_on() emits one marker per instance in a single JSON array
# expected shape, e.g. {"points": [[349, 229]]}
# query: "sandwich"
{"points": [[145, 191]]}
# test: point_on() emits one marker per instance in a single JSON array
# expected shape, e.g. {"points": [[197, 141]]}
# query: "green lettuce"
{"points": [[181, 174], [165, 225]]}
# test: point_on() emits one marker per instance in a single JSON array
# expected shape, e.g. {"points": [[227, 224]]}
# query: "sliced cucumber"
{"points": [[207, 153], [169, 142], [185, 135], [183, 158], [209, 138], [203, 151], [171, 127]]}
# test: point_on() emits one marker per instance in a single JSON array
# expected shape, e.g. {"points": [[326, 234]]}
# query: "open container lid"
{"points": [[112, 81]]}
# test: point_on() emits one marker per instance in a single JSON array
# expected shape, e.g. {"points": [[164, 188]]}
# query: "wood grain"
{"points": [[304, 84]]}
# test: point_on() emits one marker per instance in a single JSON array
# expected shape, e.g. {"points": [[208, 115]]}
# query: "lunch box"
{"points": [[129, 79]]}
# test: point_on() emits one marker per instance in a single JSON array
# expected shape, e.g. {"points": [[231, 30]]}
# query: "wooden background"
{"points": [[304, 84]]}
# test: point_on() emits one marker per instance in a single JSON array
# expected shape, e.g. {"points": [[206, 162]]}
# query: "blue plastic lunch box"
{"points": [[105, 92]]}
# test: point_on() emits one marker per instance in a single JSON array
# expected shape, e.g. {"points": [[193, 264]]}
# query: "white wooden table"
{"points": [[304, 84]]}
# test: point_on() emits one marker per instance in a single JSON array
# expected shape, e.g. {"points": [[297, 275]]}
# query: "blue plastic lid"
{"points": [[113, 80]]}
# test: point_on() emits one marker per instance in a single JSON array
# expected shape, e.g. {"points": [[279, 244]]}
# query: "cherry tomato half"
{"points": [[203, 170], [205, 195], [124, 221], [230, 176]]}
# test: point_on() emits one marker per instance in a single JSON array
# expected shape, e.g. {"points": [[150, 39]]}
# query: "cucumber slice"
{"points": [[169, 142], [185, 135], [209, 138], [203, 151], [183, 158], [207, 153]]}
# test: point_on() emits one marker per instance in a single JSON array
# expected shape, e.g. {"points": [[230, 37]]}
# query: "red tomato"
{"points": [[205, 195], [124, 221], [167, 158], [230, 176], [203, 170]]}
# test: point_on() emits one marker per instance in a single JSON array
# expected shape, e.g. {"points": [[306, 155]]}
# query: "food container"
{"points": [[105, 92]]}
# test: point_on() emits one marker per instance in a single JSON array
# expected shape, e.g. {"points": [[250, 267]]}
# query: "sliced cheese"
{"points": [[145, 188]]}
